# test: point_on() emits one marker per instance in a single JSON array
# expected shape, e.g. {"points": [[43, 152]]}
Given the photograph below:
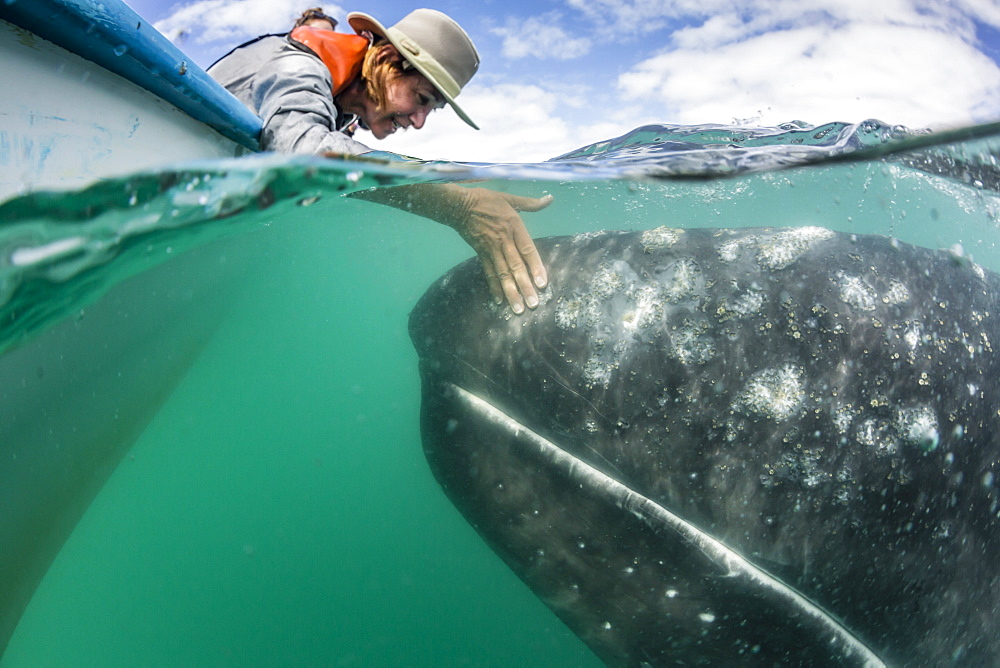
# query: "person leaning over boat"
{"points": [[315, 18], [311, 84]]}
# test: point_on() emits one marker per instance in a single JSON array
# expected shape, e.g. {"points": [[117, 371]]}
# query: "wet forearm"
{"points": [[446, 203]]}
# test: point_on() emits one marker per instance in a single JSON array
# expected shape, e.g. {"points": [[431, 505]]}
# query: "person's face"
{"points": [[409, 100]]}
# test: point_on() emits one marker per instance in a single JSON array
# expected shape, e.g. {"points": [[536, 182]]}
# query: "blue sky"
{"points": [[559, 74]]}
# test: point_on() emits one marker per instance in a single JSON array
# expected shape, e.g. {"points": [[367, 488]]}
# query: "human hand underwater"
{"points": [[490, 222]]}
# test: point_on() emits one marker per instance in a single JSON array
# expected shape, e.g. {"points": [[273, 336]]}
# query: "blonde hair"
{"points": [[382, 64]]}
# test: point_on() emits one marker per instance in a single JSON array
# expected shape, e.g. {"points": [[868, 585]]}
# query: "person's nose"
{"points": [[418, 118]]}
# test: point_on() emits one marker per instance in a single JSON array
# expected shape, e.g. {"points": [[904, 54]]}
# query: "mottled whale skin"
{"points": [[718, 446]]}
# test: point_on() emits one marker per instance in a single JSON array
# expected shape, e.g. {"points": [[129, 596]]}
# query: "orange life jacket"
{"points": [[341, 53]]}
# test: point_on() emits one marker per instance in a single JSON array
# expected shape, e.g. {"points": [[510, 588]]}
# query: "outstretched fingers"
{"points": [[492, 280], [527, 251], [529, 204], [525, 246], [513, 267], [515, 281], [507, 277]]}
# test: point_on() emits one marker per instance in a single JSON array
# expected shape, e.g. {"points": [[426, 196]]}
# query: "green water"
{"points": [[277, 509]]}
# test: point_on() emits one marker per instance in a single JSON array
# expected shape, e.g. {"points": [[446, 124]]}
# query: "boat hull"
{"points": [[68, 122]]}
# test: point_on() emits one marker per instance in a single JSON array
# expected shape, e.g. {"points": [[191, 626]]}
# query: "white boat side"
{"points": [[67, 121]]}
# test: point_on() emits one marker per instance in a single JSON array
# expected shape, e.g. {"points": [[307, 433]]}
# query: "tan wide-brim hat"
{"points": [[434, 44]]}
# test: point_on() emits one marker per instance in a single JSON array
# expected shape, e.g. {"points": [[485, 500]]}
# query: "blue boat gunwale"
{"points": [[112, 35]]}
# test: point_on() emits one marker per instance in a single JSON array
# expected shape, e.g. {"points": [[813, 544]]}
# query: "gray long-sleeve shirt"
{"points": [[290, 89]]}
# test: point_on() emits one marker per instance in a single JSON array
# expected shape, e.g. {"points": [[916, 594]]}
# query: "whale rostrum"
{"points": [[708, 445]]}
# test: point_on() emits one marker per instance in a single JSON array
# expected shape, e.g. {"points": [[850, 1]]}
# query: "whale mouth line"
{"points": [[656, 516]]}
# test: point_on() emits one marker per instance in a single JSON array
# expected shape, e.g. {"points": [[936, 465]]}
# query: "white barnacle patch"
{"points": [[978, 271], [877, 435], [913, 335], [842, 496], [569, 312], [783, 248], [586, 310], [690, 343], [661, 237], [855, 292], [618, 309], [606, 282], [801, 466], [774, 393], [500, 310], [918, 426], [730, 251], [749, 303], [681, 280], [897, 293], [593, 311], [584, 237], [943, 531], [597, 371], [812, 473], [647, 309], [842, 419]]}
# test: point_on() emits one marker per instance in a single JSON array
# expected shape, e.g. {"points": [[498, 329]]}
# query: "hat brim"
{"points": [[362, 22]]}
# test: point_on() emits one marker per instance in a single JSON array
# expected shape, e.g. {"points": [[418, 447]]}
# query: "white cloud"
{"points": [[818, 69], [520, 123], [986, 11], [541, 37], [716, 31], [623, 17], [233, 21], [641, 17]]}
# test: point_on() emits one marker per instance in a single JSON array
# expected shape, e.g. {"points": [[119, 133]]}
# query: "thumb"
{"points": [[529, 203]]}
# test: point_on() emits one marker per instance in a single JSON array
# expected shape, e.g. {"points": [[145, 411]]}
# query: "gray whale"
{"points": [[717, 446]]}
